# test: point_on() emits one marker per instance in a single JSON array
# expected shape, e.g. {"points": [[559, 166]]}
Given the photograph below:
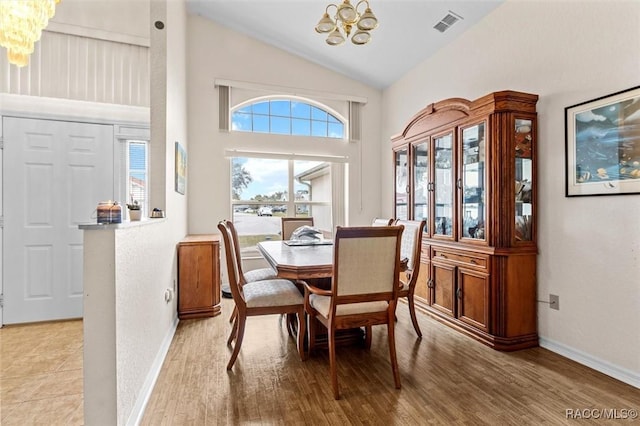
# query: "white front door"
{"points": [[54, 175]]}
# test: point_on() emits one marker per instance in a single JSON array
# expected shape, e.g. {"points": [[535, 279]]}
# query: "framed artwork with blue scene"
{"points": [[602, 139]]}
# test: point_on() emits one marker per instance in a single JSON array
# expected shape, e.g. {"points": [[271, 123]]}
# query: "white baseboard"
{"points": [[147, 388], [619, 373]]}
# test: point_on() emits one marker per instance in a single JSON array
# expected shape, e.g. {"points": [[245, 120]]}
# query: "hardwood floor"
{"points": [[447, 378]]}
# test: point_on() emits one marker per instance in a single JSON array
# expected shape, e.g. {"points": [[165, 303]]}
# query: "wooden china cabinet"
{"points": [[469, 169]]}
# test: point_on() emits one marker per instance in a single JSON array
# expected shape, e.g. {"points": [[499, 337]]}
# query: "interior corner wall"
{"points": [[215, 52], [176, 110], [588, 246], [168, 120]]}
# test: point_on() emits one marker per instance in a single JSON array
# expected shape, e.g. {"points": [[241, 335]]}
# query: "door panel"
{"points": [[422, 290], [444, 281], [54, 174], [473, 306], [401, 172]]}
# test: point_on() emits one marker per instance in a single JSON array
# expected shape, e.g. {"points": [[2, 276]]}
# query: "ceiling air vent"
{"points": [[446, 22]]}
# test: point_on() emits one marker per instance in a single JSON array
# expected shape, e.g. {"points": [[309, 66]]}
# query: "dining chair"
{"points": [[265, 297], [364, 290], [410, 251], [378, 221], [249, 276], [290, 224]]}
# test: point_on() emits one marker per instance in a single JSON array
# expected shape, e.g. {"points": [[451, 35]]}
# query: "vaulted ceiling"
{"points": [[405, 36]]}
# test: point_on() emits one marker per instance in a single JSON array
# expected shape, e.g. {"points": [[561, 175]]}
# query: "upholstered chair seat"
{"points": [[269, 293]]}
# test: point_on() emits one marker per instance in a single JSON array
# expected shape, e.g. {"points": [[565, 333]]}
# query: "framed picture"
{"points": [[602, 139], [181, 169]]}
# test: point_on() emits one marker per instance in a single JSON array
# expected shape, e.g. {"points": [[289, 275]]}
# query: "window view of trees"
{"points": [[260, 195], [240, 179]]}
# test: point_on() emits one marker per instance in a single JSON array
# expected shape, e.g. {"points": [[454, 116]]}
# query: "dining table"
{"points": [[293, 261]]}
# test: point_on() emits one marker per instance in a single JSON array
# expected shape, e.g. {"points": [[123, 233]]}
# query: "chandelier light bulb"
{"points": [[335, 38], [361, 37], [368, 21], [347, 13], [326, 24]]}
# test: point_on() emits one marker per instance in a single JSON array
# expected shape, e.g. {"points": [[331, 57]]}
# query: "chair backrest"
{"points": [[378, 221], [236, 246], [366, 263], [233, 272], [290, 224], [411, 243]]}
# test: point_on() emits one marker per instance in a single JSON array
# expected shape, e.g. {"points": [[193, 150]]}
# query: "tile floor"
{"points": [[41, 374]]}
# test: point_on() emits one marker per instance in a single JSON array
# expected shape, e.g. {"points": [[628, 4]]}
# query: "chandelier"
{"points": [[345, 18], [21, 25]]}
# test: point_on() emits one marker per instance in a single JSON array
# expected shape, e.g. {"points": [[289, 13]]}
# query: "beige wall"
{"points": [[588, 246], [218, 53]]}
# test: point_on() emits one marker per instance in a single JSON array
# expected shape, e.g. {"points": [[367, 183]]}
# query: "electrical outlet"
{"points": [[554, 302]]}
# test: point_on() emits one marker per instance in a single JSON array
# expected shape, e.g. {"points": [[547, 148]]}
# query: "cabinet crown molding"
{"points": [[443, 113]]}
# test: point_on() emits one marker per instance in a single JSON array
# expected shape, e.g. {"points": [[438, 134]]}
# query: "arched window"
{"points": [[286, 117]]}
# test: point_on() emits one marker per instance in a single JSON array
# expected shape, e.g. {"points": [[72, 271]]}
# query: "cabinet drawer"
{"points": [[472, 260]]}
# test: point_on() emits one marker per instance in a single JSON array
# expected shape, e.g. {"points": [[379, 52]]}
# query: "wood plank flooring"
{"points": [[447, 379]]}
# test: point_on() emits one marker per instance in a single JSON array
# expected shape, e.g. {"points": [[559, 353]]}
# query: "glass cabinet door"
{"points": [[401, 183], [524, 180], [443, 185], [421, 181], [472, 184]]}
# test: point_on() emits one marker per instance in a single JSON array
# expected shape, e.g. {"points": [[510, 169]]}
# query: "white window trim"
{"points": [[291, 91], [228, 153]]}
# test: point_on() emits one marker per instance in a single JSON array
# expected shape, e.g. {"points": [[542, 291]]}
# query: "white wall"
{"points": [[128, 324], [118, 20], [143, 257], [566, 52], [218, 53]]}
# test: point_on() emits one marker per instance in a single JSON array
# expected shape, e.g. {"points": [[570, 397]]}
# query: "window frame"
{"points": [[124, 171], [333, 117], [291, 202]]}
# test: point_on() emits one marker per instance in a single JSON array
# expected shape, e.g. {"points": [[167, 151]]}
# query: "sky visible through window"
{"points": [[287, 117], [270, 176]]}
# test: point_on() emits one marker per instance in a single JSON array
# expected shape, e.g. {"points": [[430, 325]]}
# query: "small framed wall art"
{"points": [[602, 139], [181, 169]]}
